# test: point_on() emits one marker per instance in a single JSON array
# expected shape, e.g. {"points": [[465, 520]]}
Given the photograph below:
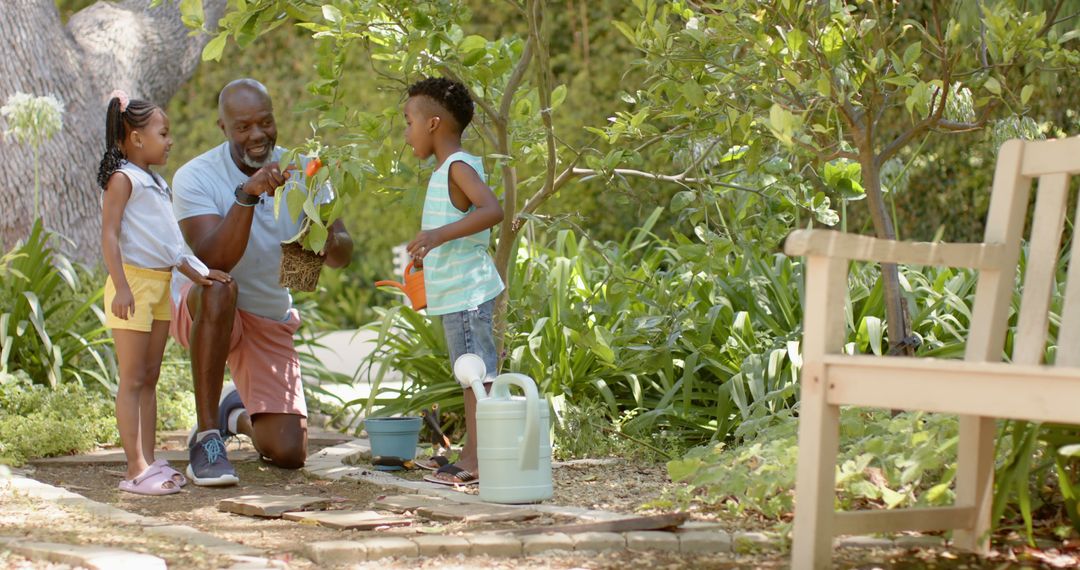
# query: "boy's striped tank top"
{"points": [[459, 274]]}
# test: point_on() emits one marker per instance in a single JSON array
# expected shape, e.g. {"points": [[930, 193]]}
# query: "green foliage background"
{"points": [[665, 307]]}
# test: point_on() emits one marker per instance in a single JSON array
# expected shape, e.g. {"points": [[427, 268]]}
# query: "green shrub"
{"points": [[51, 324], [175, 391], [896, 461], [36, 421]]}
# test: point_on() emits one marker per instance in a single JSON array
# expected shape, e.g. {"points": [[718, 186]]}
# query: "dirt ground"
{"points": [[592, 486], [615, 486]]}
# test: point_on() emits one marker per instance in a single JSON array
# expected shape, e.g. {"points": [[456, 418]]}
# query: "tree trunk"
{"points": [[896, 314], [146, 52]]}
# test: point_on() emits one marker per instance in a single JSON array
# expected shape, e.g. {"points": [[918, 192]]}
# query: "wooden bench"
{"points": [[980, 388]]}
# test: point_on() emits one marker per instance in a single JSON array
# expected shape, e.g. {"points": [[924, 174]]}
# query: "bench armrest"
{"points": [[830, 243]]}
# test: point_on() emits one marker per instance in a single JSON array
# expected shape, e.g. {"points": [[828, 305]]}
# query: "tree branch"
{"points": [[516, 78], [543, 86]]}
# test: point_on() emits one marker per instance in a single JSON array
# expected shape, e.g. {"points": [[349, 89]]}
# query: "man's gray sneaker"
{"points": [[208, 464]]}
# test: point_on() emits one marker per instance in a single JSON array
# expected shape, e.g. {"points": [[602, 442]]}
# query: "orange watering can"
{"points": [[413, 286]]}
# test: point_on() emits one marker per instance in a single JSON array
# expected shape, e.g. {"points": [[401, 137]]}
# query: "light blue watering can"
{"points": [[512, 439]]}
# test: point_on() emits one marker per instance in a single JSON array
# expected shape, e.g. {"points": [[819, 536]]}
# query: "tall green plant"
{"points": [[51, 326], [688, 339]]}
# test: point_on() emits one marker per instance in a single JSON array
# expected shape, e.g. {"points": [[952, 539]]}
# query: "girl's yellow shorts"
{"points": [[150, 287]]}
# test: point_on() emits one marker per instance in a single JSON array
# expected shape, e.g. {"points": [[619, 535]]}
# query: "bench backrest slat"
{"points": [[1069, 330], [993, 293], [1043, 249]]}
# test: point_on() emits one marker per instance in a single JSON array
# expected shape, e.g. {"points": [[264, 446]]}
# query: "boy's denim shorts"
{"points": [[471, 331]]}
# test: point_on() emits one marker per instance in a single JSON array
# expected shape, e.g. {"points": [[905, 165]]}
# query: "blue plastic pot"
{"points": [[393, 437]]}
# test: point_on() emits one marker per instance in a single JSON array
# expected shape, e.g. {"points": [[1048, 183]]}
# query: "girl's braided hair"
{"points": [[451, 95], [119, 121]]}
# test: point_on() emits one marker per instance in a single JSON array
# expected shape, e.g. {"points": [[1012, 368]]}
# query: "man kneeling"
{"points": [[223, 201]]}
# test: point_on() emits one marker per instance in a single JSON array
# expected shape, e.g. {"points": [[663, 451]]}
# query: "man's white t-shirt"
{"points": [[205, 185]]}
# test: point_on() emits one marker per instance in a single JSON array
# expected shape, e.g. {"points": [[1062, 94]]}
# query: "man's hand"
{"points": [[423, 243], [123, 305], [267, 180]]}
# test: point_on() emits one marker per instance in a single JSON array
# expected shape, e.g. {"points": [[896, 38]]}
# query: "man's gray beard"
{"points": [[252, 163]]}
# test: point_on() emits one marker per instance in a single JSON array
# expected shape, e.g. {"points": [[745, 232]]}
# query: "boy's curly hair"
{"points": [[451, 95]]}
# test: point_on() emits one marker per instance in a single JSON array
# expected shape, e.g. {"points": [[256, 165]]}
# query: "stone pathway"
{"points": [[415, 498]]}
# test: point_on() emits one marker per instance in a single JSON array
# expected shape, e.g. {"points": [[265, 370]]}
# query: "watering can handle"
{"points": [[387, 282], [530, 442]]}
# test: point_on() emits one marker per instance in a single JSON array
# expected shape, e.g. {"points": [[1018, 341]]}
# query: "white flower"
{"points": [[32, 120]]}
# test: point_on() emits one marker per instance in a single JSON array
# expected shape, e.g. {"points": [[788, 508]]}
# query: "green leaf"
{"points": [[316, 238], [693, 93], [558, 95], [1025, 93], [191, 13], [471, 43], [214, 48], [792, 76], [683, 469], [681, 200], [992, 85], [295, 197], [473, 57], [331, 13], [626, 31], [912, 53]]}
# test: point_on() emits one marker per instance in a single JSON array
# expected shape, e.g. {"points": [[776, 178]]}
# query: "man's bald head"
{"points": [[241, 89], [246, 117]]}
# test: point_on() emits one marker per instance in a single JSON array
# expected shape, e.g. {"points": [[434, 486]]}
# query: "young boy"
{"points": [[459, 275]]}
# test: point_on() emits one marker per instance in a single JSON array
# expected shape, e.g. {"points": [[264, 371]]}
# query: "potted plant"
{"points": [[320, 195]]}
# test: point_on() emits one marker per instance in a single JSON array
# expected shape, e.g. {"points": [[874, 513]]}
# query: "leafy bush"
{"points": [[38, 421], [175, 391], [643, 326], [893, 461], [51, 326]]}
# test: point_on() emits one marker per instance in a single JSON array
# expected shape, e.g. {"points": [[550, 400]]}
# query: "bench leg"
{"points": [[975, 480], [815, 484]]}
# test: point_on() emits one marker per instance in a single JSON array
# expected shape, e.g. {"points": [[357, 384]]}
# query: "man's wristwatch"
{"points": [[243, 198]]}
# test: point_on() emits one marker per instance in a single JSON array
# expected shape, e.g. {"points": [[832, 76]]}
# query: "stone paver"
{"points": [[159, 527], [923, 541], [334, 552], [403, 503], [475, 513], [271, 506], [598, 541], [538, 543], [652, 540], [256, 563], [693, 537], [704, 542], [435, 545], [82, 555], [494, 545], [387, 546], [751, 542], [862, 542], [355, 520]]}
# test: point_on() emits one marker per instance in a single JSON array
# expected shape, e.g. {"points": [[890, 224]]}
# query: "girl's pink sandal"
{"points": [[153, 481], [177, 476]]}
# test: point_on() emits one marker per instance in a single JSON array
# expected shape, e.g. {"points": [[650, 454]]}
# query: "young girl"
{"points": [[460, 278], [141, 243]]}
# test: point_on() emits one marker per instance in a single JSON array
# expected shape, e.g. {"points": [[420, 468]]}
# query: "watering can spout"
{"points": [[385, 283], [413, 286], [470, 371]]}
